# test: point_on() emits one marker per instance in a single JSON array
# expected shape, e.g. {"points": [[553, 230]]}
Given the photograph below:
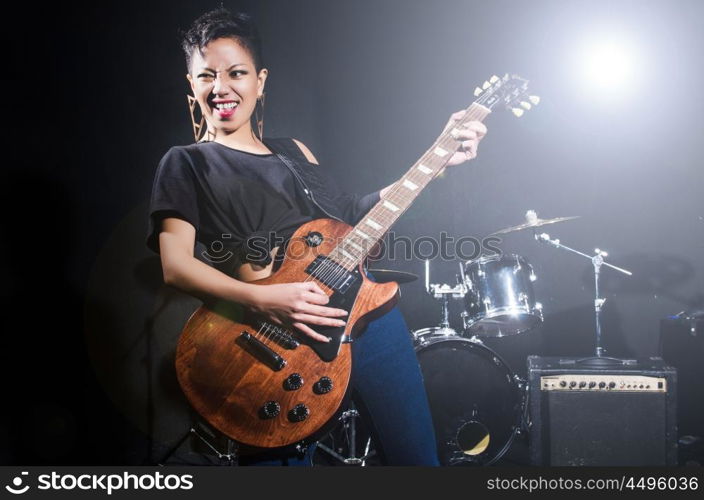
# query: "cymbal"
{"points": [[532, 220], [386, 275]]}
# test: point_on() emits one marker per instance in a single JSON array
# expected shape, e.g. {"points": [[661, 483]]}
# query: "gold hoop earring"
{"points": [[198, 127], [259, 118]]}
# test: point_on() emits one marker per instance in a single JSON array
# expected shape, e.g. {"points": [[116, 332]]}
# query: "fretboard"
{"points": [[354, 248]]}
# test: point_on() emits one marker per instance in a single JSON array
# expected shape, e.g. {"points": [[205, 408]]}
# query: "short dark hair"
{"points": [[221, 23]]}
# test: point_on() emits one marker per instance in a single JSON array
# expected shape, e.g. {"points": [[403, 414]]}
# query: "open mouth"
{"points": [[225, 109]]}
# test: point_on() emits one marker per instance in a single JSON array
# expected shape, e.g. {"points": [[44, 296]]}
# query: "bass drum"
{"points": [[476, 401]]}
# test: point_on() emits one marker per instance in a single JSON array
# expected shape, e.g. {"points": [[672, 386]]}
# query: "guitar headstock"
{"points": [[511, 91]]}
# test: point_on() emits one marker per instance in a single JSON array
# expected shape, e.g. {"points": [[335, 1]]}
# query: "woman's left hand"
{"points": [[468, 135]]}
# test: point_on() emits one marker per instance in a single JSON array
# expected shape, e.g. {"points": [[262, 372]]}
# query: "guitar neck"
{"points": [[355, 247]]}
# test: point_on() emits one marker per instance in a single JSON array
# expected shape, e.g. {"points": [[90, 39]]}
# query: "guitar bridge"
{"points": [[261, 351], [278, 334]]}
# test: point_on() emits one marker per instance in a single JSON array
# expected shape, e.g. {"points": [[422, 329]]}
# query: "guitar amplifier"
{"points": [[620, 415]]}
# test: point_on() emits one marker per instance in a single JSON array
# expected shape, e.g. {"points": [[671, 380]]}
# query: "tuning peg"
{"points": [[517, 111], [534, 99], [486, 85], [477, 91], [494, 79], [525, 105]]}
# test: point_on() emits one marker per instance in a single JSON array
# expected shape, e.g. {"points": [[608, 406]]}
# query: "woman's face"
{"points": [[226, 85]]}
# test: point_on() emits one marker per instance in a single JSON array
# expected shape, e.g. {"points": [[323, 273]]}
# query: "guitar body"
{"points": [[267, 387]]}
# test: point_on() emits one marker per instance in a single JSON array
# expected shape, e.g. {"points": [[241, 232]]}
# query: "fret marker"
{"points": [[373, 224], [362, 234], [409, 185], [440, 152], [425, 169], [390, 206], [355, 246], [347, 254]]}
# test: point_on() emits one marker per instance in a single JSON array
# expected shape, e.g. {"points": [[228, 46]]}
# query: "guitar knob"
{"points": [[313, 239], [323, 386], [293, 382], [298, 413], [270, 409]]}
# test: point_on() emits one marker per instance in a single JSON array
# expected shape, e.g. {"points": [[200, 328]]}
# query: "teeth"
{"points": [[226, 105]]}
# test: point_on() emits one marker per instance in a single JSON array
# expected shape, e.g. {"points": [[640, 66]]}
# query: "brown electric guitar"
{"points": [[267, 386]]}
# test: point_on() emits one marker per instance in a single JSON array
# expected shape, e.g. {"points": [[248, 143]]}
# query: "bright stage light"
{"points": [[608, 64]]}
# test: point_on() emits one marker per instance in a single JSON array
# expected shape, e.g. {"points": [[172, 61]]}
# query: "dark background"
{"points": [[96, 95]]}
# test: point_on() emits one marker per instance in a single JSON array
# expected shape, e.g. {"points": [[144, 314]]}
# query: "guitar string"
{"points": [[395, 190], [328, 271], [332, 272], [346, 263]]}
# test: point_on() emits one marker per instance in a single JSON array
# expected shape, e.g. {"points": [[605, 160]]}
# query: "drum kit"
{"points": [[478, 404]]}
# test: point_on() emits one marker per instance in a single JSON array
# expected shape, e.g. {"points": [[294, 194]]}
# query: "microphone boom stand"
{"points": [[597, 260]]}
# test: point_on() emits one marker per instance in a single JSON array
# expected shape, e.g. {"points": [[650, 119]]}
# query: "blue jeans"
{"points": [[387, 378]]}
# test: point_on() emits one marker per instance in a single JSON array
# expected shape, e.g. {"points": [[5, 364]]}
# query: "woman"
{"points": [[229, 190]]}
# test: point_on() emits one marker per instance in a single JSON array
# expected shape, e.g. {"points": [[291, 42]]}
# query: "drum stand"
{"points": [[229, 458], [231, 455], [348, 422], [597, 260], [443, 292]]}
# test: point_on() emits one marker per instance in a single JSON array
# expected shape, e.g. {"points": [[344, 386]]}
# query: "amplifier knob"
{"points": [[573, 384], [582, 384], [592, 384], [612, 385], [602, 385], [563, 384]]}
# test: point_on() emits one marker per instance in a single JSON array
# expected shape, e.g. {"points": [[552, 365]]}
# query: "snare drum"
{"points": [[500, 299], [425, 335]]}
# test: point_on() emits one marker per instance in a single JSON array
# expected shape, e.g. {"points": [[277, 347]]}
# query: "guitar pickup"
{"points": [[261, 351], [331, 273]]}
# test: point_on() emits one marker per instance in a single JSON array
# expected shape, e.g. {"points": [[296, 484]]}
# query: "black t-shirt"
{"points": [[241, 204]]}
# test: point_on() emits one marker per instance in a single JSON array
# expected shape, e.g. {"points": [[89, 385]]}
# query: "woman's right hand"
{"points": [[297, 305]]}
